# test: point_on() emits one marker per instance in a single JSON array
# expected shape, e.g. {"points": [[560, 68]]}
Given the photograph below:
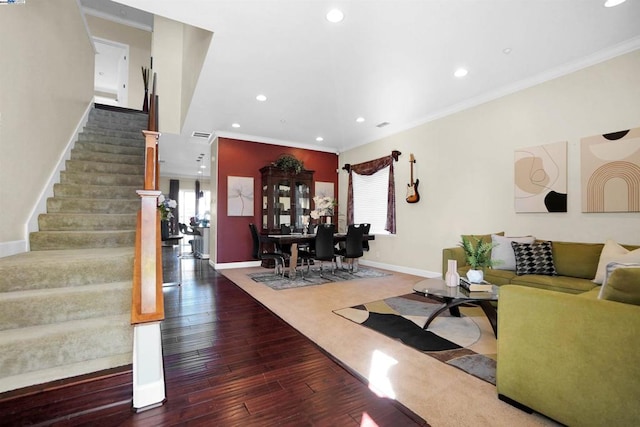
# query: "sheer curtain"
{"points": [[370, 168]]}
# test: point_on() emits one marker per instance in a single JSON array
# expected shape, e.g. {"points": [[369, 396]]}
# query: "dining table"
{"points": [[295, 239]]}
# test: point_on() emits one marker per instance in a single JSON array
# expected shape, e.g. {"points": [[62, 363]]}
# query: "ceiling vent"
{"points": [[383, 124], [203, 135]]}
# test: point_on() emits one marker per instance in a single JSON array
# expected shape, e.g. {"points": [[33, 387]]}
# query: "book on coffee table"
{"points": [[475, 287]]}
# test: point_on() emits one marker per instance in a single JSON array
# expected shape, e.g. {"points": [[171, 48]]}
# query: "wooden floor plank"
{"points": [[228, 362]]}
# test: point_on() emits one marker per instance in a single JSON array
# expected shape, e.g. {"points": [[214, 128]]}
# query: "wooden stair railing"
{"points": [[147, 301]]}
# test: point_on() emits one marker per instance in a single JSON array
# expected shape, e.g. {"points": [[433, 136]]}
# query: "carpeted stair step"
{"points": [[72, 221], [44, 306], [96, 191], [136, 119], [52, 240], [59, 268], [81, 166], [128, 142], [67, 177], [114, 133], [98, 147], [99, 206], [94, 156], [43, 347]]}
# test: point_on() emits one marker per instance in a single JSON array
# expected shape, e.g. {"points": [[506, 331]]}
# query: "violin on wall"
{"points": [[412, 189]]}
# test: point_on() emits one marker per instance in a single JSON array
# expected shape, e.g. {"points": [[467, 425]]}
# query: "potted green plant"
{"points": [[478, 256], [287, 162]]}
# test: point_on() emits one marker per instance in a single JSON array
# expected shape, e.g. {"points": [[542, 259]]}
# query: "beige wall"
{"points": [[139, 42], [196, 45], [465, 165], [178, 52], [46, 86]]}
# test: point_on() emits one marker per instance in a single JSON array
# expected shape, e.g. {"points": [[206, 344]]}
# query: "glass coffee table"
{"points": [[452, 297]]}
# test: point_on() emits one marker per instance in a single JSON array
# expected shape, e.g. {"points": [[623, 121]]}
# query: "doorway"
{"points": [[111, 75]]}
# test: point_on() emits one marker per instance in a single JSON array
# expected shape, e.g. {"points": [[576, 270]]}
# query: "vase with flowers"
{"points": [[165, 207], [324, 208]]}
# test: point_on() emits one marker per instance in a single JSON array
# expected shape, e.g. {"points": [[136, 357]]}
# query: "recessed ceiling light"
{"points": [[235, 125], [319, 139], [613, 3], [360, 119], [261, 98], [335, 16], [461, 72], [203, 167], [506, 50], [199, 171]]}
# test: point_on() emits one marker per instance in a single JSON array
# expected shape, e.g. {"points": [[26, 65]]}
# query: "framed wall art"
{"points": [[610, 172], [540, 175], [239, 196]]}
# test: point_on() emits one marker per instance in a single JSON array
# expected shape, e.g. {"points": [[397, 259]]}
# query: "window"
{"points": [[370, 200], [187, 205], [375, 195]]}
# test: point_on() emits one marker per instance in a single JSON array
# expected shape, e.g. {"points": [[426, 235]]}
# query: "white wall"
{"points": [[139, 42], [465, 165], [46, 87]]}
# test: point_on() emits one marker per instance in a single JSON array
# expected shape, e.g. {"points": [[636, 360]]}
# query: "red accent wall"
{"points": [[245, 158]]}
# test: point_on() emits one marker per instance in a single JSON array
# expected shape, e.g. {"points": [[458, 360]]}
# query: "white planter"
{"points": [[475, 276]]}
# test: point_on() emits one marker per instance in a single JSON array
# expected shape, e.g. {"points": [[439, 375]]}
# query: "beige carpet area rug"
{"points": [[441, 394], [448, 338]]}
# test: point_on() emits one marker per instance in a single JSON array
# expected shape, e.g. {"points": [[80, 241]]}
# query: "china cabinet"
{"points": [[286, 198]]}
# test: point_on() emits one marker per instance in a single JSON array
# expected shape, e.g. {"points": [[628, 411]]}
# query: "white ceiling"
{"points": [[388, 61]]}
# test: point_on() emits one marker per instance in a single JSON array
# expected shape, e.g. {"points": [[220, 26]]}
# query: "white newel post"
{"points": [[148, 370]]}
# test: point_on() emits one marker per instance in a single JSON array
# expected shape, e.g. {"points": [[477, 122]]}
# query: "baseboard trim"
{"points": [[399, 268], [228, 265], [13, 248]]}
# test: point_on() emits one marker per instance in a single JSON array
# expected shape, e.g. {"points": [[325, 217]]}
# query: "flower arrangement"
{"points": [[166, 206], [325, 206]]}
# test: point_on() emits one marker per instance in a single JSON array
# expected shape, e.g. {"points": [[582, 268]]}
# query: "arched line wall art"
{"points": [[540, 175], [610, 172]]}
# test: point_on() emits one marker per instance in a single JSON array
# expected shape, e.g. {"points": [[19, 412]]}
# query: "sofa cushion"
{"points": [[622, 283], [502, 255], [534, 258], [613, 252], [571, 285], [576, 259]]}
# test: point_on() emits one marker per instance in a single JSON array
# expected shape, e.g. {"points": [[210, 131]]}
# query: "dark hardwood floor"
{"points": [[228, 362]]}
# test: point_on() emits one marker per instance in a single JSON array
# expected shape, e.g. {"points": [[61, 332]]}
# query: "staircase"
{"points": [[65, 306]]}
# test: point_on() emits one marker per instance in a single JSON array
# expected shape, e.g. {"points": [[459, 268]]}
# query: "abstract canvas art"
{"points": [[540, 175], [324, 189], [239, 196], [610, 172]]}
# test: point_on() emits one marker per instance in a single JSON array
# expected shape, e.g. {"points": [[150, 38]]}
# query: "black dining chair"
{"points": [[184, 229], [366, 227], [353, 245], [260, 255], [325, 249]]}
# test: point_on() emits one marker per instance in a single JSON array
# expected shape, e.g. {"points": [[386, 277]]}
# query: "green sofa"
{"points": [[572, 358], [563, 352], [576, 265]]}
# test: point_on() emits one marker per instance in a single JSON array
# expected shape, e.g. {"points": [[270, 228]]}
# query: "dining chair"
{"points": [[366, 227], [353, 245], [325, 250], [277, 257]]}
